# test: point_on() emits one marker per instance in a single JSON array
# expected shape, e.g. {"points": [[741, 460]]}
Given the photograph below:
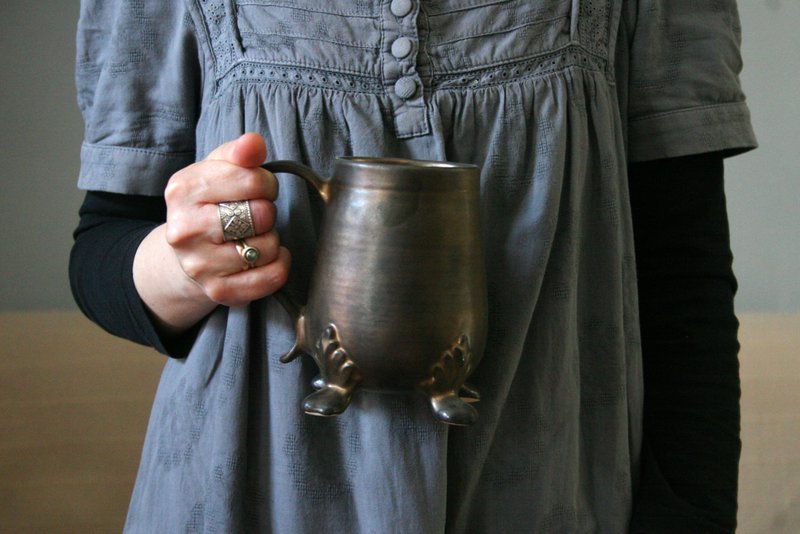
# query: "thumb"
{"points": [[249, 150]]}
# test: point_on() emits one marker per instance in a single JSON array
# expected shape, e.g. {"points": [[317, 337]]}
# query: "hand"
{"points": [[183, 269], [231, 172]]}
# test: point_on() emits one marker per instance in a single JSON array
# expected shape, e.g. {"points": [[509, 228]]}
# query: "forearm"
{"points": [[108, 238], [689, 344]]}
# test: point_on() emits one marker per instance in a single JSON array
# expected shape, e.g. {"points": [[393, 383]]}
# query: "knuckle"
{"points": [[253, 183], [279, 277], [179, 230], [273, 242], [264, 214], [193, 267], [271, 185], [174, 235], [270, 215], [177, 187], [217, 291]]}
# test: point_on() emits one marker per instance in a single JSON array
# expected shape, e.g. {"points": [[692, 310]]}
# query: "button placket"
{"points": [[401, 79]]}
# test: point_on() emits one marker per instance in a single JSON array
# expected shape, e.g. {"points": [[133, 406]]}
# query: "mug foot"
{"points": [[468, 393], [318, 382], [328, 401], [452, 410]]}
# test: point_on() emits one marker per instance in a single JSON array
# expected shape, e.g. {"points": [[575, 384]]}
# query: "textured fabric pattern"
{"points": [[531, 92]]}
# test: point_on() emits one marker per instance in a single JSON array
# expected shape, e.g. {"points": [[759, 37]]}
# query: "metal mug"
{"points": [[397, 297]]}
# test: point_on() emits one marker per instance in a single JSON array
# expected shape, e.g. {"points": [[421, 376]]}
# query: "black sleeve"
{"points": [[110, 229], [690, 350]]}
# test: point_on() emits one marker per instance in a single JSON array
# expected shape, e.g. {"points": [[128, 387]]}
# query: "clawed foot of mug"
{"points": [[329, 400], [318, 383], [292, 354], [452, 410], [446, 388], [338, 378], [468, 394]]}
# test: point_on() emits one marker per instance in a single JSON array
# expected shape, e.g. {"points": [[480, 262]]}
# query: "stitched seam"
{"points": [[363, 46], [541, 75], [299, 66], [305, 84], [466, 8], [146, 151], [207, 42], [507, 30], [525, 59], [320, 11], [705, 107], [452, 82]]}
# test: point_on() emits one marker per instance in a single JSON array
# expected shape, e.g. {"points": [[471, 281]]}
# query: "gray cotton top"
{"points": [[552, 99]]}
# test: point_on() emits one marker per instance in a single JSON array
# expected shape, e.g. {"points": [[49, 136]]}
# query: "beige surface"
{"points": [[769, 475], [74, 404]]}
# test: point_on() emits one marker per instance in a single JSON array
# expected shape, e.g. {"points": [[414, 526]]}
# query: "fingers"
{"points": [[249, 150], [251, 284], [232, 262], [198, 225], [202, 260], [232, 171], [214, 181], [194, 193], [262, 214], [227, 279], [194, 229]]}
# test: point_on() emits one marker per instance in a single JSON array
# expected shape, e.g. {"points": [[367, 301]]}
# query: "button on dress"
{"points": [[552, 99]]}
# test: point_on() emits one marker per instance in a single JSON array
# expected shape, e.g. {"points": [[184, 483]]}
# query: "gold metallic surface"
{"points": [[397, 299]]}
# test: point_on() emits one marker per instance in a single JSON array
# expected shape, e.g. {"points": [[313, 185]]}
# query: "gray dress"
{"points": [[551, 98]]}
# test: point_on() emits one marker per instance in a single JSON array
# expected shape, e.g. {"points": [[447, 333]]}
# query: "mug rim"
{"points": [[404, 162]]}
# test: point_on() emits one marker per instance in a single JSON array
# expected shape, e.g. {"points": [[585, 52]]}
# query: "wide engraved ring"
{"points": [[236, 220]]}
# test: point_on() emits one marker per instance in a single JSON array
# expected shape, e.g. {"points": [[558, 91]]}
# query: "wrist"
{"points": [[173, 299]]}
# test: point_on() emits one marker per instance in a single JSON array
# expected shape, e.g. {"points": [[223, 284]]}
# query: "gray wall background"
{"points": [[41, 133], [763, 186]]}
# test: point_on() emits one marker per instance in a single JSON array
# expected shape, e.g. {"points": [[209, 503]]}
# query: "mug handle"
{"points": [[298, 169], [295, 310]]}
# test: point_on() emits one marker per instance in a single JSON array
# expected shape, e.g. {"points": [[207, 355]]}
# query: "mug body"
{"points": [[400, 268]]}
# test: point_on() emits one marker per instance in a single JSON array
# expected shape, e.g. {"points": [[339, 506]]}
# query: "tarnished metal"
{"points": [[397, 299], [236, 220]]}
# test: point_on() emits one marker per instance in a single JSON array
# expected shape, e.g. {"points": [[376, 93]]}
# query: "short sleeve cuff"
{"points": [[134, 171], [723, 127]]}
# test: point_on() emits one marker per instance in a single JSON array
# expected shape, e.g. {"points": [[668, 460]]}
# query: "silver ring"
{"points": [[236, 219], [249, 253]]}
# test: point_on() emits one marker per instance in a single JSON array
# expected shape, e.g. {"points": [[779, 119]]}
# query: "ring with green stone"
{"points": [[249, 254]]}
